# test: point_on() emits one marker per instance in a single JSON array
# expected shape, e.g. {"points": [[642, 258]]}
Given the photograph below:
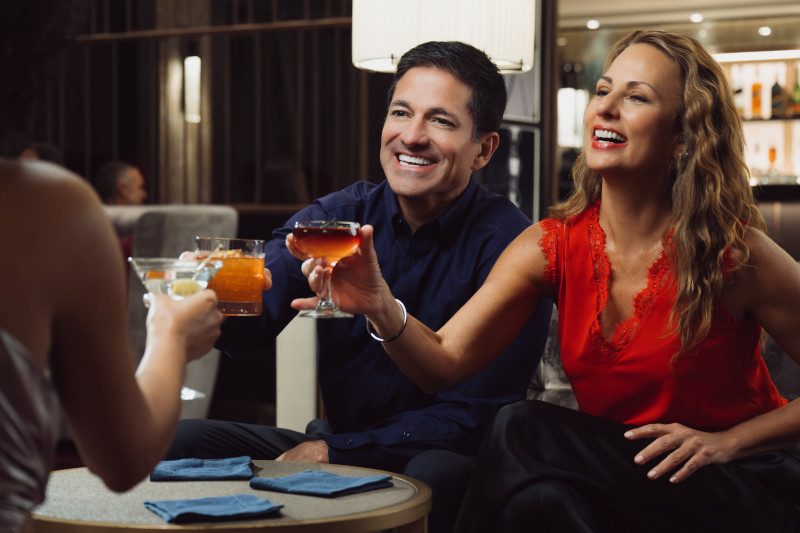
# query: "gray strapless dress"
{"points": [[29, 419]]}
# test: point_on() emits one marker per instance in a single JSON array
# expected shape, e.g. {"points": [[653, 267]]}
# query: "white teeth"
{"points": [[413, 160], [606, 135]]}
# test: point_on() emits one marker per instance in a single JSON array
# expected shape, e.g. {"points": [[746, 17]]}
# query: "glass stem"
{"points": [[326, 294]]}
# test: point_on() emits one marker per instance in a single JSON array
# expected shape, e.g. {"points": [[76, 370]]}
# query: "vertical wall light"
{"points": [[191, 88], [383, 30]]}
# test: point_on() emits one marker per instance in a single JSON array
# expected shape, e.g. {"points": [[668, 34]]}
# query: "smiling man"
{"points": [[437, 235]]}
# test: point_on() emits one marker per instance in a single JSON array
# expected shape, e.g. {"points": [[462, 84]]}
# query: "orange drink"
{"points": [[329, 241], [240, 282], [330, 244]]}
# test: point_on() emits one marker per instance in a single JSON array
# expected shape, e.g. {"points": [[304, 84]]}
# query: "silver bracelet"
{"points": [[399, 332]]}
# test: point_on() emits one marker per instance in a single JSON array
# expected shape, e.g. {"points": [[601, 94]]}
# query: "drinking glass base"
{"points": [[325, 313]]}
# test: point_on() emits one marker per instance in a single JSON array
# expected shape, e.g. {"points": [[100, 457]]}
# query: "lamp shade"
{"points": [[383, 30]]}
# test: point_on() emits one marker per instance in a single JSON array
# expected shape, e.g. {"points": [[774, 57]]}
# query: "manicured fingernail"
{"points": [[638, 459], [628, 434], [651, 474], [673, 479]]}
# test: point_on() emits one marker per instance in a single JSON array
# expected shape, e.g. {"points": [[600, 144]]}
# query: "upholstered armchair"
{"points": [[550, 384], [166, 231]]}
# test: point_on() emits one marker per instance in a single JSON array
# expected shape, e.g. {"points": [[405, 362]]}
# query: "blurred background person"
{"points": [[120, 183]]}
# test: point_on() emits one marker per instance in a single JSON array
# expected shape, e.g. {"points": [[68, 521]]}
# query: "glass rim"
{"points": [[228, 239], [170, 262], [326, 224]]}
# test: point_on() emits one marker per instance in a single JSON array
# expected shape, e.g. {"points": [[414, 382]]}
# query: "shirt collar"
{"points": [[447, 224]]}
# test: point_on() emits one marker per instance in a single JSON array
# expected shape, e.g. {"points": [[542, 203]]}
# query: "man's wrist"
{"points": [[398, 332], [389, 321]]}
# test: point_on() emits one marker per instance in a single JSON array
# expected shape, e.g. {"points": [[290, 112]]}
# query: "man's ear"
{"points": [[489, 145]]}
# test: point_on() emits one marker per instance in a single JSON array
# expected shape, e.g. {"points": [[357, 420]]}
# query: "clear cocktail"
{"points": [[176, 278]]}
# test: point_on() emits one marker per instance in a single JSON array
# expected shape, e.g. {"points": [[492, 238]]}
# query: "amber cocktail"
{"points": [[330, 241], [240, 282]]}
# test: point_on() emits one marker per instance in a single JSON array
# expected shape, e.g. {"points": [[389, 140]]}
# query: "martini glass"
{"points": [[329, 241], [177, 279]]}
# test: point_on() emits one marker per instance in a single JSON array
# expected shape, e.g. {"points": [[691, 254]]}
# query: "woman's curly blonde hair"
{"points": [[711, 201]]}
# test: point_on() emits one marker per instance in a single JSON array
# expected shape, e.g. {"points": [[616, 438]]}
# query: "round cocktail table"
{"points": [[77, 501]]}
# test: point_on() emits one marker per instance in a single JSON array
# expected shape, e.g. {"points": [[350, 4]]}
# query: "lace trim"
{"points": [[548, 243], [643, 302]]}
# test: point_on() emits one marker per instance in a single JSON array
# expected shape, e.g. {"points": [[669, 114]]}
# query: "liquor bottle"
{"points": [[755, 100], [738, 90], [795, 104], [778, 105]]}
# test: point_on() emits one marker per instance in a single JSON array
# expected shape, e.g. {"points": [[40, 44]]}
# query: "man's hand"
{"points": [[357, 285], [687, 449], [313, 451]]}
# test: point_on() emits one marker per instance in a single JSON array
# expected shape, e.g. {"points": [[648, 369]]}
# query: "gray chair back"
{"points": [[166, 231]]}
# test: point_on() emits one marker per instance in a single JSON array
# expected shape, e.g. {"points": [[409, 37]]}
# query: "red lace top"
{"points": [[628, 378]]}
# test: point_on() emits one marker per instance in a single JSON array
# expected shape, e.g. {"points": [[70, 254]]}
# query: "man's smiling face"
{"points": [[427, 148]]}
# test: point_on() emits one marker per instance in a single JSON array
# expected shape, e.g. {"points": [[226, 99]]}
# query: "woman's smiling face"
{"points": [[630, 122]]}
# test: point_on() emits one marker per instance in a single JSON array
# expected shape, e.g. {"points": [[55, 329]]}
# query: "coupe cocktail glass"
{"points": [[329, 241], [178, 279]]}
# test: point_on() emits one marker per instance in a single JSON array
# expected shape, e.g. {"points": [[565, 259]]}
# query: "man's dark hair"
{"points": [[471, 67], [107, 177]]}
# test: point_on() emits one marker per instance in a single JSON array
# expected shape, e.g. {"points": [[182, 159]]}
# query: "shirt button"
{"points": [[385, 359], [406, 435]]}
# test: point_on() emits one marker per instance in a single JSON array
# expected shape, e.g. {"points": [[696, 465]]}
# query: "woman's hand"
{"points": [[688, 449], [357, 285], [194, 321]]}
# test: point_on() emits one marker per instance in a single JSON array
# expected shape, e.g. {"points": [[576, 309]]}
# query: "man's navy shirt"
{"points": [[379, 417]]}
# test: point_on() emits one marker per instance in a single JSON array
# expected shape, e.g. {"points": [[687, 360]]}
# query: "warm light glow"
{"points": [[383, 30], [592, 24], [571, 104], [767, 55], [696, 17], [191, 89], [765, 31]]}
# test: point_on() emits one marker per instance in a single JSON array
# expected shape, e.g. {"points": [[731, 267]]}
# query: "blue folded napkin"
{"points": [[203, 469], [321, 483], [219, 508]]}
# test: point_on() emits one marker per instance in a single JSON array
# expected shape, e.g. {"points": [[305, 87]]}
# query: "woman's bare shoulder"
{"points": [[26, 177], [529, 255], [47, 197]]}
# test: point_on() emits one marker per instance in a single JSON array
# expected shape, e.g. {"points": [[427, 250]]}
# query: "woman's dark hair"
{"points": [[32, 33], [471, 67]]}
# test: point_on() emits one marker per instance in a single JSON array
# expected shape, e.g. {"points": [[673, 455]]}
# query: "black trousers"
{"points": [[446, 472], [544, 468]]}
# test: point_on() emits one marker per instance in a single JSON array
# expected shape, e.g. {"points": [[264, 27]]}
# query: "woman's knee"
{"points": [[544, 504]]}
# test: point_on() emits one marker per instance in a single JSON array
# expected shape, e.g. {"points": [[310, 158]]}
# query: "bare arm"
{"points": [[770, 292], [470, 340], [768, 289], [121, 422]]}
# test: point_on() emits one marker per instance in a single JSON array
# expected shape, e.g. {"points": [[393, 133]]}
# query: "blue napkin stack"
{"points": [[235, 507], [321, 483], [203, 469]]}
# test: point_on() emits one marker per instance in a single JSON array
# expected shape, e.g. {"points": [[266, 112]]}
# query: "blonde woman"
{"points": [[663, 279]]}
